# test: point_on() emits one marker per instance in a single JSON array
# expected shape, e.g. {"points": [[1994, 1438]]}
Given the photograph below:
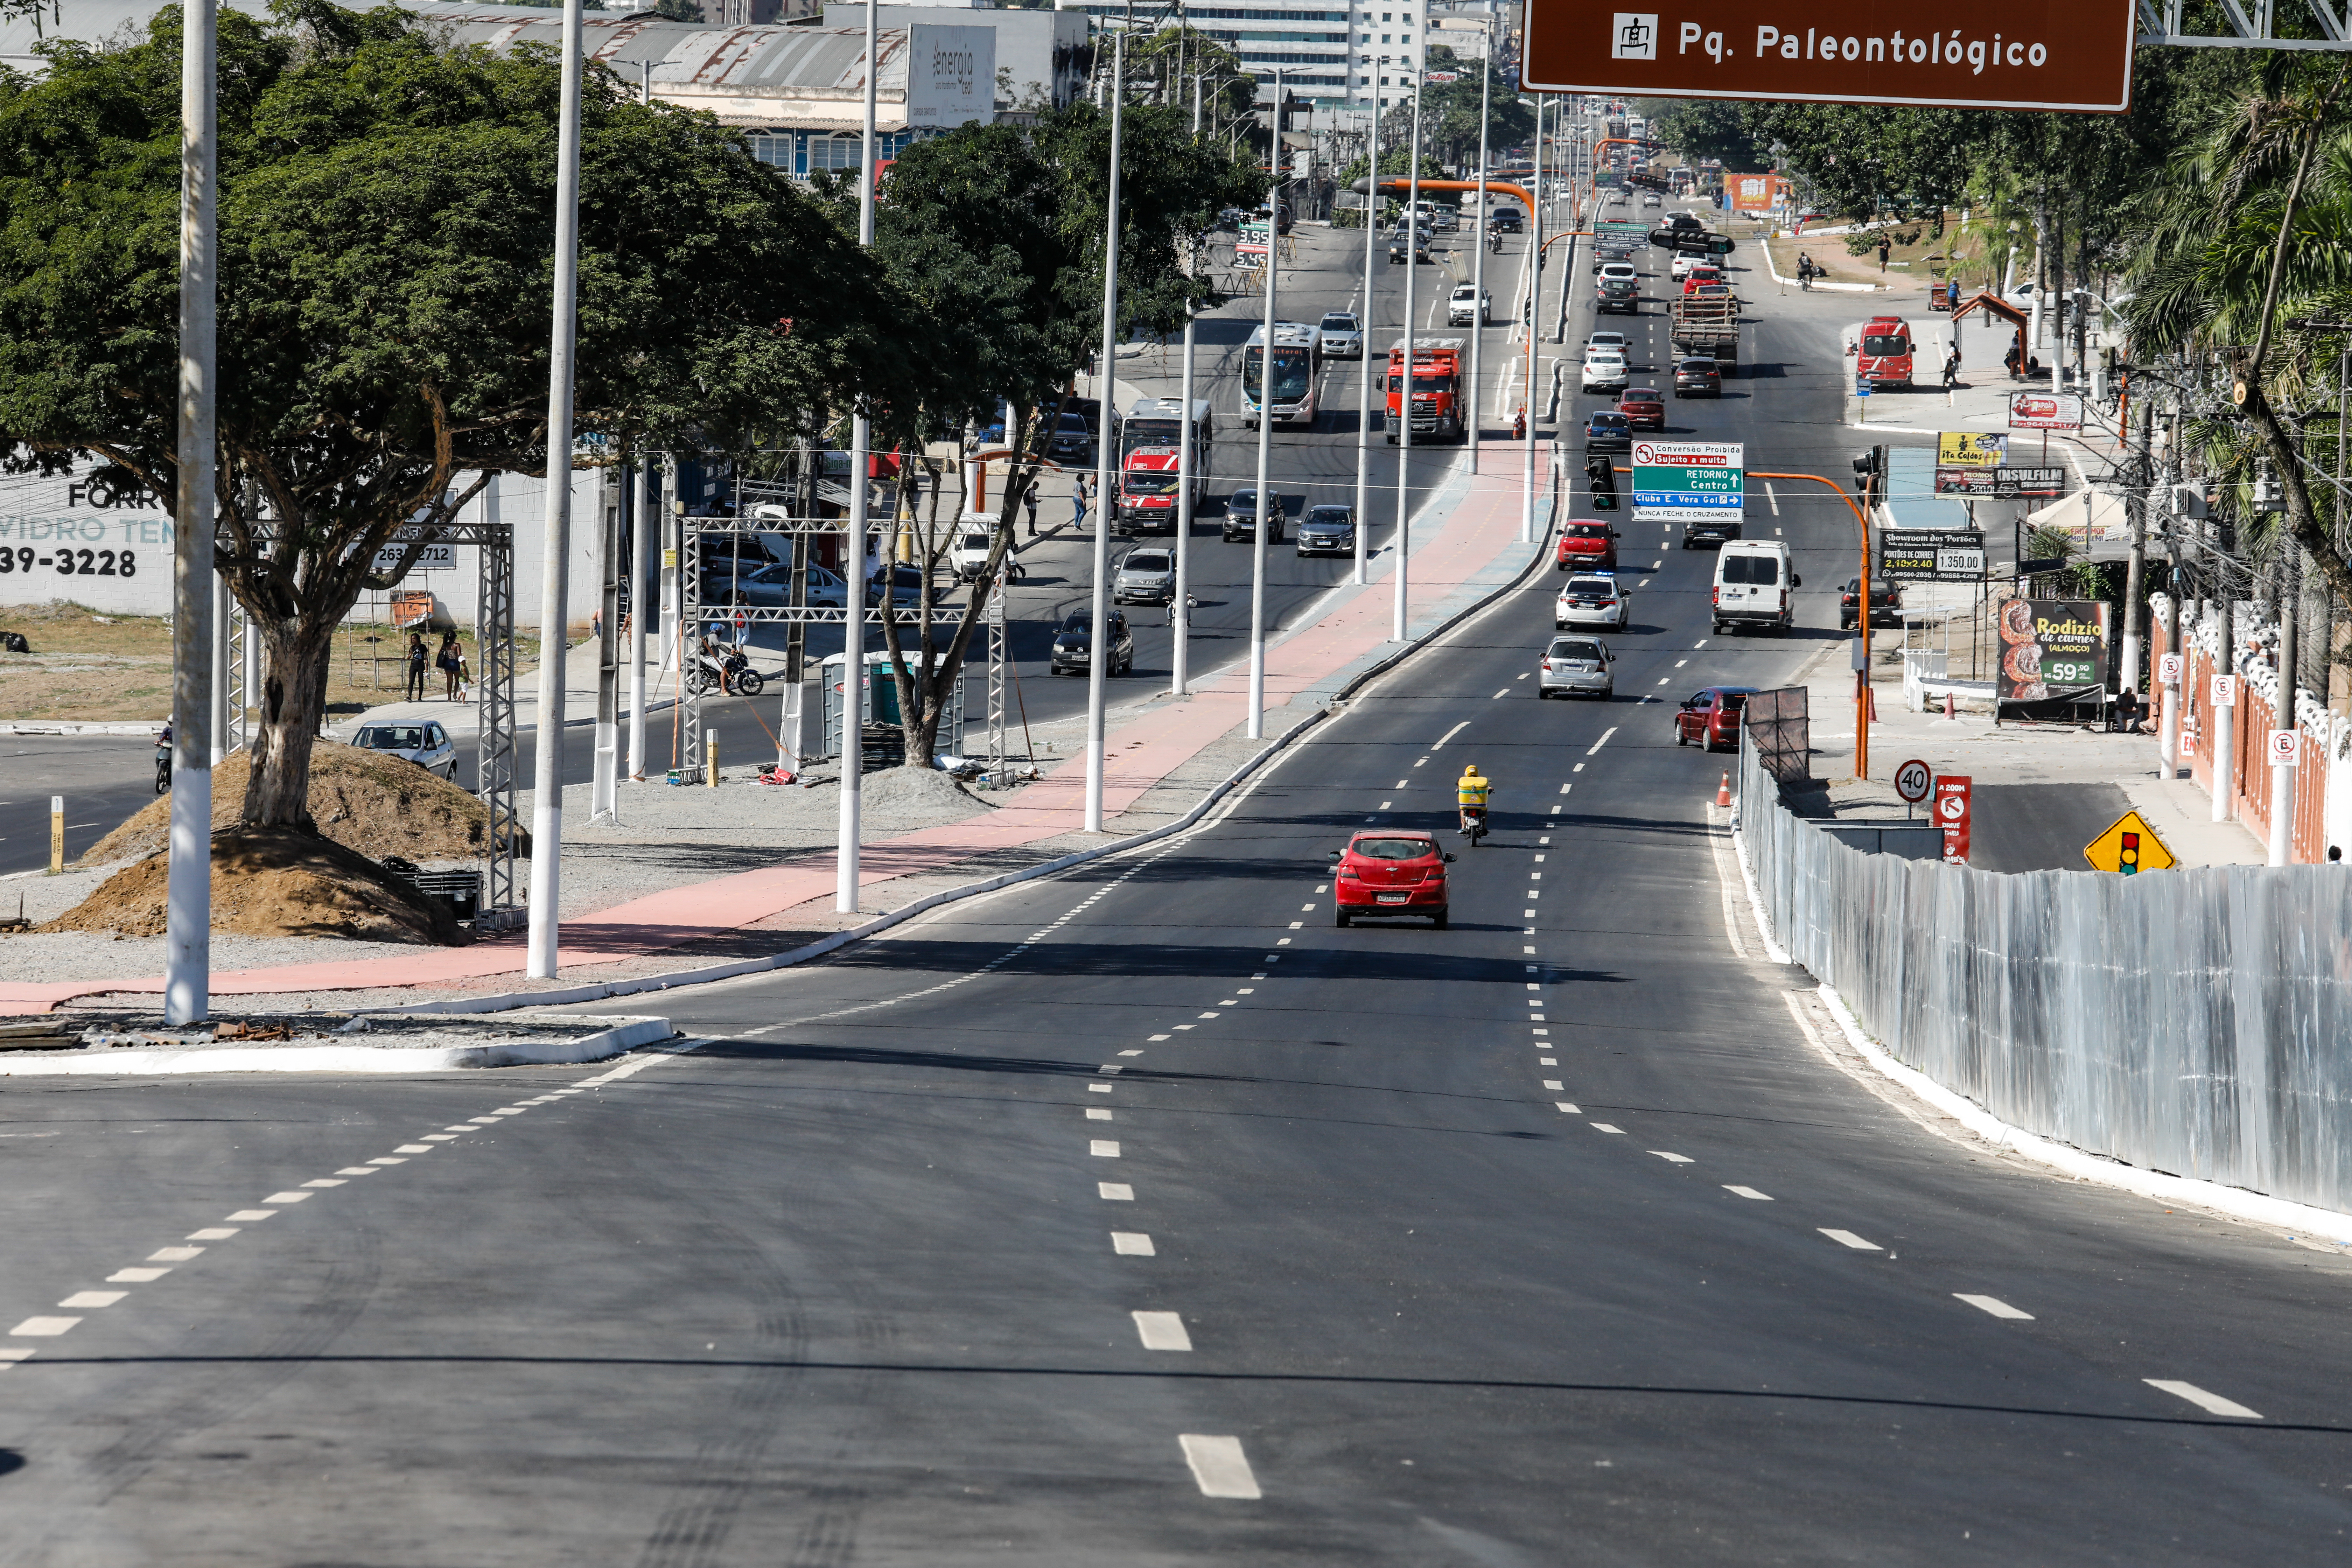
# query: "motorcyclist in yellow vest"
{"points": [[1470, 792]]}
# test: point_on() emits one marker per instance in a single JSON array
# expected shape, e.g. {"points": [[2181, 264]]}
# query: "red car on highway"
{"points": [[1586, 546], [1712, 718], [1381, 874], [1642, 408]]}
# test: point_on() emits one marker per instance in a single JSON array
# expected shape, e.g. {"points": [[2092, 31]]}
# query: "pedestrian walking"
{"points": [[451, 662], [414, 691], [1031, 499], [1078, 503]]}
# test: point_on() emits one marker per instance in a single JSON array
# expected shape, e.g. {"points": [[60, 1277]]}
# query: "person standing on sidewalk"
{"points": [[1884, 247], [451, 661], [1031, 500], [414, 690]]}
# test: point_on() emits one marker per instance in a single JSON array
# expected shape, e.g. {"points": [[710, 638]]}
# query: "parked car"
{"points": [[1328, 530], [427, 744], [1587, 546], [1885, 603], [1241, 517], [1470, 300], [1343, 335], [1074, 643], [1577, 667], [1387, 873], [1697, 378], [1712, 717], [1592, 600], [1144, 577], [1642, 408], [1607, 431]]}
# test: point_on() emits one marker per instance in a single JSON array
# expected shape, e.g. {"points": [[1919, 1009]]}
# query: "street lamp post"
{"points": [[853, 568], [1535, 310], [1478, 270], [1372, 242], [1400, 611], [1256, 727], [1106, 498]]}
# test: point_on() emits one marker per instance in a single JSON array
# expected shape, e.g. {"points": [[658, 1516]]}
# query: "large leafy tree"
{"points": [[995, 234], [386, 260], [1450, 115]]}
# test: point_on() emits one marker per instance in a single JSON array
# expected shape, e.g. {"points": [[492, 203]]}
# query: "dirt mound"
{"points": [[910, 789], [274, 881], [364, 801]]}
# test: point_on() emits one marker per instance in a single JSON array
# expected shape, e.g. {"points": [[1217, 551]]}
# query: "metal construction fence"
{"points": [[2196, 1023]]}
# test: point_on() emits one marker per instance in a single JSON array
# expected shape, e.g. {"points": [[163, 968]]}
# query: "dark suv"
{"points": [[1885, 603], [1697, 378], [1073, 644], [1241, 517]]}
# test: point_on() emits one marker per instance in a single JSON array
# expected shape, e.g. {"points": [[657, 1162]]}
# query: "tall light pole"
{"points": [[1535, 310], [1364, 403], [1401, 608], [1478, 263], [852, 566], [1256, 728], [188, 867], [1106, 499], [555, 529], [1179, 607]]}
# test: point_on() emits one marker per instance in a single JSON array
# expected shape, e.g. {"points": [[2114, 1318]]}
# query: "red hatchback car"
{"points": [[1391, 873], [1586, 546], [1642, 408], [1712, 718]]}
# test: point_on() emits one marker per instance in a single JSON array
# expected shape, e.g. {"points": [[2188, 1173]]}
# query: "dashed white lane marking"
{"points": [[290, 1197], [1700, 644], [11, 1354], [245, 1216], [1666, 680], [1661, 560], [1578, 767], [1748, 1193], [1102, 1148], [1131, 1244], [214, 1232], [440, 1137], [1567, 1108], [359, 1169], [1848, 1238], [1993, 1304], [42, 1328], [1420, 761], [1451, 733], [2212, 1403], [1301, 925], [1400, 784], [1219, 1466], [1673, 1158], [93, 1298], [1133, 1051], [1596, 745], [1167, 1036], [1566, 787], [1604, 1127], [1103, 1088], [1554, 1085], [1769, 493], [1162, 1331], [175, 1254], [320, 1181], [1114, 1068], [1547, 1061], [1115, 1192], [1678, 663]]}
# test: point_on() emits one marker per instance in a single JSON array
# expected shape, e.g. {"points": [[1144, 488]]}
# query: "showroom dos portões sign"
{"points": [[2073, 56]]}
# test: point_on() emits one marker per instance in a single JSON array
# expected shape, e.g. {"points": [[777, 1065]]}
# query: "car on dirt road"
{"points": [[427, 744], [1384, 874]]}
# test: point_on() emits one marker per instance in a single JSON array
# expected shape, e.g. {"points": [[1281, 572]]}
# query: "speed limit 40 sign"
{"points": [[1913, 780]]}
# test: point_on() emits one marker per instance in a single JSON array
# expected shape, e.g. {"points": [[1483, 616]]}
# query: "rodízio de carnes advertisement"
{"points": [[2052, 650]]}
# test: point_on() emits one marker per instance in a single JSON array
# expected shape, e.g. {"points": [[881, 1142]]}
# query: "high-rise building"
{"points": [[1320, 45]]}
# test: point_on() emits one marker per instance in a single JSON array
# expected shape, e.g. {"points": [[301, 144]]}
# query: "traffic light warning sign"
{"points": [[2128, 847]]}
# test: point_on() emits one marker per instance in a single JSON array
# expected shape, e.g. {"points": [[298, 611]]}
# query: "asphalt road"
{"points": [[1141, 1217]]}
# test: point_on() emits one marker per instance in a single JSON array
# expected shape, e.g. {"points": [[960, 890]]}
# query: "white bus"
{"points": [[1298, 374]]}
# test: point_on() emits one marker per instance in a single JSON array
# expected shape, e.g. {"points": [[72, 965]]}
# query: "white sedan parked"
{"points": [[1592, 600]]}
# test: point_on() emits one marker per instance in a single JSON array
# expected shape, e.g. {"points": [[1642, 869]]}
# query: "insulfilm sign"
{"points": [[2038, 54]]}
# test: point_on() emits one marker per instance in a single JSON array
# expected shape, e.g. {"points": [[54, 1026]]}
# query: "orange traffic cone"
{"points": [[1723, 791], [1948, 713]]}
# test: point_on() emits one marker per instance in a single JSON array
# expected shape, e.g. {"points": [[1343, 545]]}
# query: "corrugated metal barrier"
{"points": [[2196, 1023]]}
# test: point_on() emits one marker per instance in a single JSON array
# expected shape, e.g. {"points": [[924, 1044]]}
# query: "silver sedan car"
{"points": [[1594, 600], [1577, 667], [427, 744], [1343, 335], [1144, 577]]}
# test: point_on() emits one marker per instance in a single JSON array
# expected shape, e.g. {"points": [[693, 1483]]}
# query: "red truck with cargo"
{"points": [[1439, 408]]}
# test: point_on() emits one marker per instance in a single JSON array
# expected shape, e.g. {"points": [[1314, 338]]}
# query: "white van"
{"points": [[1754, 586]]}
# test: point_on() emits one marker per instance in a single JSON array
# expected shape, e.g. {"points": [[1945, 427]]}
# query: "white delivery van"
{"points": [[1754, 586]]}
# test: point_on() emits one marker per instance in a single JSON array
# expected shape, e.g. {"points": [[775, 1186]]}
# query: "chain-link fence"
{"points": [[2196, 1023]]}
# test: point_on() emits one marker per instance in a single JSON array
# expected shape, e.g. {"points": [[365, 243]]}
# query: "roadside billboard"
{"points": [[951, 75], [1999, 484], [2052, 650], [1970, 449], [1930, 554], [2033, 55], [2045, 411]]}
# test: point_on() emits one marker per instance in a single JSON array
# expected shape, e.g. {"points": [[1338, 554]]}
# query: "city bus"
{"points": [[1298, 374], [1150, 459]]}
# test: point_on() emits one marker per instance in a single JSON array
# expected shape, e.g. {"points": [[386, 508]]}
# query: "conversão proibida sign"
{"points": [[2036, 54]]}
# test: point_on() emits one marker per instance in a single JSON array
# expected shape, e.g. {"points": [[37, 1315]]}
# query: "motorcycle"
{"points": [[162, 765], [1474, 824], [729, 671], [1495, 241]]}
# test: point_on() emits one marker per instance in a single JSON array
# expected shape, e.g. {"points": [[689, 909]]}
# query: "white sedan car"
{"points": [[1605, 371], [1592, 599], [427, 744]]}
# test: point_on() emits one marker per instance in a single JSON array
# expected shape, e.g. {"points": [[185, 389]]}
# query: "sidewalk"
{"points": [[1467, 546]]}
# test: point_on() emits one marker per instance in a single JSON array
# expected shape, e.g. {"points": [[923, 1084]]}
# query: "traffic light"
{"points": [[1603, 477], [2127, 856], [1868, 466]]}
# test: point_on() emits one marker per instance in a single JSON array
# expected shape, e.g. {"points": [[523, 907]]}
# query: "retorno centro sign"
{"points": [[2033, 54]]}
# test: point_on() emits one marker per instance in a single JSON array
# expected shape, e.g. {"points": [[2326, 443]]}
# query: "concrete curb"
{"points": [[1792, 283], [35, 727], [709, 974], [2296, 1219], [625, 1034]]}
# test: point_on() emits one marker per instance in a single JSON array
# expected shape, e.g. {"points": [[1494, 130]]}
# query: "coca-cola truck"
{"points": [[1440, 403]]}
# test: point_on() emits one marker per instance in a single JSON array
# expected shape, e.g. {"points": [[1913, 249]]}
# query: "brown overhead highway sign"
{"points": [[2034, 54]]}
